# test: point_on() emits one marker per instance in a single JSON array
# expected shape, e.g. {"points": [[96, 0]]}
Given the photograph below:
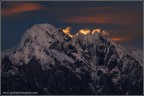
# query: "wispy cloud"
{"points": [[120, 39], [112, 15], [19, 7]]}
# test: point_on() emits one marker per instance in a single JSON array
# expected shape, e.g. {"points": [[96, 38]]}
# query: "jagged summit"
{"points": [[37, 40], [42, 34]]}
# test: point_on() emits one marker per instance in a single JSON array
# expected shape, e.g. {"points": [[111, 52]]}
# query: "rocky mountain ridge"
{"points": [[48, 61]]}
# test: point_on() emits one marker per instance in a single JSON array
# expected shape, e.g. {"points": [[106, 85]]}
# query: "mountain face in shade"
{"points": [[48, 61]]}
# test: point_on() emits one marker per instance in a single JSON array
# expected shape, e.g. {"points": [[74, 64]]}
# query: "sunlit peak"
{"points": [[96, 30], [81, 31], [67, 31], [85, 31]]}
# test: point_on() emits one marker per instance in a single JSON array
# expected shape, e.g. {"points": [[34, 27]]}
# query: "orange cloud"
{"points": [[113, 19], [18, 7], [117, 39], [113, 15]]}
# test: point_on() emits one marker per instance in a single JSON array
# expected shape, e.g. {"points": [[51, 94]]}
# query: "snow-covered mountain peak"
{"points": [[42, 34], [41, 39], [35, 42]]}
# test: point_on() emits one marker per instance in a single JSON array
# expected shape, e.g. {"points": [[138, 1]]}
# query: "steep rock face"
{"points": [[50, 62]]}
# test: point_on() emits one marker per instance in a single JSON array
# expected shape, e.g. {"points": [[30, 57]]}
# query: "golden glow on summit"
{"points": [[84, 31], [96, 30], [67, 31], [81, 31], [88, 31]]}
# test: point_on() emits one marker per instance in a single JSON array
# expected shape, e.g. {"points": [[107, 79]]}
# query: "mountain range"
{"points": [[49, 61]]}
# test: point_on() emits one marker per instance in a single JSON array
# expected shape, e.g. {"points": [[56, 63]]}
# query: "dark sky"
{"points": [[121, 20]]}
